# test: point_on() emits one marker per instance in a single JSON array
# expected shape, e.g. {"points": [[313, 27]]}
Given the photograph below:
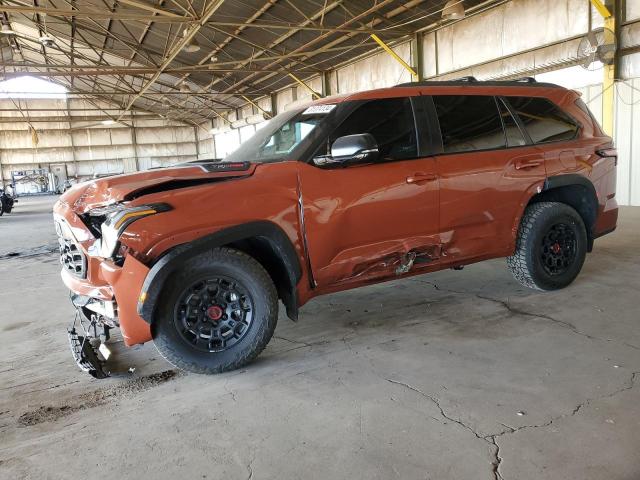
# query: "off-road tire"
{"points": [[526, 264], [230, 263]]}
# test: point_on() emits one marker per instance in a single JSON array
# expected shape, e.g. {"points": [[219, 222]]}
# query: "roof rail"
{"points": [[472, 81], [526, 80], [468, 78]]}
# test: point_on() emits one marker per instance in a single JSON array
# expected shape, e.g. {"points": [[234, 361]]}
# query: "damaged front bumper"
{"points": [[87, 340], [100, 308]]}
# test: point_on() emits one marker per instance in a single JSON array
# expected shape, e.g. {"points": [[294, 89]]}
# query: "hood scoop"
{"points": [[174, 185]]}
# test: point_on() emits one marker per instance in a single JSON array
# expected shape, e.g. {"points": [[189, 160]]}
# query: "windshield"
{"points": [[279, 139]]}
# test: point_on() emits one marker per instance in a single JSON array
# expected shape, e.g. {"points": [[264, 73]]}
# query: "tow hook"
{"points": [[406, 262]]}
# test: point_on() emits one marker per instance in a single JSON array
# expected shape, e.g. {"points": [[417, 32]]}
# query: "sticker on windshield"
{"points": [[318, 109]]}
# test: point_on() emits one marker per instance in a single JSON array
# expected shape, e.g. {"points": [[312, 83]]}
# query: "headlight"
{"points": [[118, 218]]}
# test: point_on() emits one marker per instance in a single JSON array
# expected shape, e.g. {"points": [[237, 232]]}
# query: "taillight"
{"points": [[608, 153]]}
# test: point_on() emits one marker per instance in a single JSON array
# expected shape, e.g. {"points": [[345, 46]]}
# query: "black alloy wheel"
{"points": [[559, 248], [214, 314]]}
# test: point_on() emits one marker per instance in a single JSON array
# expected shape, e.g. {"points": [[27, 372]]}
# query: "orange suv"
{"points": [[343, 192]]}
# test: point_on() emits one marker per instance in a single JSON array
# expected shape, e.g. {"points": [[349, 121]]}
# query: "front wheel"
{"points": [[217, 313], [550, 248]]}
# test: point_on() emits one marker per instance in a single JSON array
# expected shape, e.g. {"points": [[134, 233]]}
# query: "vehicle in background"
{"points": [[7, 201], [344, 192]]}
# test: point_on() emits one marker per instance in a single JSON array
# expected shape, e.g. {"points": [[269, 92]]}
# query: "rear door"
{"points": [[362, 221], [485, 165]]}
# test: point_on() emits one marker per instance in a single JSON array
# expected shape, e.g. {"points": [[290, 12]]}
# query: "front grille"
{"points": [[72, 258]]}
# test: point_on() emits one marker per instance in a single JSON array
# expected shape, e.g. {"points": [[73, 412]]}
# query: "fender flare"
{"points": [[168, 263], [569, 179]]}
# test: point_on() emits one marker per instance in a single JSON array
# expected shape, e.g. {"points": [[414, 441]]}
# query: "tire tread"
{"points": [[250, 351]]}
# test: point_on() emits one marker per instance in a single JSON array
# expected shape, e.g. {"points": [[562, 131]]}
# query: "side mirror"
{"points": [[351, 148]]}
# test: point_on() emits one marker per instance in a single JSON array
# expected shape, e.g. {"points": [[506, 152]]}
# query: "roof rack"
{"points": [[526, 80], [520, 82], [468, 78]]}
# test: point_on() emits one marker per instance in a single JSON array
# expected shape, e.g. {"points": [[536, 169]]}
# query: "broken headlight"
{"points": [[117, 218]]}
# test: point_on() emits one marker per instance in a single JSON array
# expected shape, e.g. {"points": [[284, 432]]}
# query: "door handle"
{"points": [[524, 163], [422, 177]]}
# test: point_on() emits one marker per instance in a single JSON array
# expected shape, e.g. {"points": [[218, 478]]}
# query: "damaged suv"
{"points": [[343, 192]]}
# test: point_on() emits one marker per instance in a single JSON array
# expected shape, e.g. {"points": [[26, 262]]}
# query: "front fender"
{"points": [[168, 263]]}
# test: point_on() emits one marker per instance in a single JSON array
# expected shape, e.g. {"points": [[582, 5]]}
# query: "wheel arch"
{"points": [[265, 241], [576, 191]]}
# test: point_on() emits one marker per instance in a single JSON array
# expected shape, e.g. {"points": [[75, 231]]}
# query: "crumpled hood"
{"points": [[97, 193]]}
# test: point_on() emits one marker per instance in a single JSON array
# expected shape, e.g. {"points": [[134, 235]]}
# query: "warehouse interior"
{"points": [[454, 374]]}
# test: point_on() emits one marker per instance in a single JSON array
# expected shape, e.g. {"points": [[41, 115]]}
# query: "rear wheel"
{"points": [[217, 313], [550, 248]]}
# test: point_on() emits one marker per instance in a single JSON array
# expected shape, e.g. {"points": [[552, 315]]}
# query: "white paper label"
{"points": [[104, 350], [318, 109]]}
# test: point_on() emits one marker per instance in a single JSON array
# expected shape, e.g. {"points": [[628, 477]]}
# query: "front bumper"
{"points": [[114, 289], [109, 287]]}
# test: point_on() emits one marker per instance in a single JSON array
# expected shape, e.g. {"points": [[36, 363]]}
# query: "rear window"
{"points": [[583, 106], [544, 121], [469, 123]]}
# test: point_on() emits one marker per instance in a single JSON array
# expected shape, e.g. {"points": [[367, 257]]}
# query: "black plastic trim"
{"points": [[569, 179], [479, 83], [573, 179], [168, 263]]}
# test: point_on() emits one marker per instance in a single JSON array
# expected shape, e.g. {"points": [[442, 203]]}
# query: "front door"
{"points": [[376, 220]]}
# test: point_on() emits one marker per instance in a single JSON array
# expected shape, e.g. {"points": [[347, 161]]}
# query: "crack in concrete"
{"points": [[436, 402], [518, 311], [492, 439], [299, 342], [32, 252], [250, 466]]}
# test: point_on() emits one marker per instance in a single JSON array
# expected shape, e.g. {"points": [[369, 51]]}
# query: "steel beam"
{"points": [[395, 56], [211, 9]]}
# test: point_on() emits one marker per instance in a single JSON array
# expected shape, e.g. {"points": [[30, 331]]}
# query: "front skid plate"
{"points": [[85, 355]]}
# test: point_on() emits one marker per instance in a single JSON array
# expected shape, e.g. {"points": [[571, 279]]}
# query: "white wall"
{"points": [[86, 148]]}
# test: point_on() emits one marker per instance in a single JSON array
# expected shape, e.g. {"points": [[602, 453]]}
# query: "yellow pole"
{"points": [[608, 81], [397, 58], [256, 105], [313, 92]]}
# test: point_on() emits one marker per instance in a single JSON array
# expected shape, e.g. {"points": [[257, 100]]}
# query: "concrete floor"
{"points": [[454, 375]]}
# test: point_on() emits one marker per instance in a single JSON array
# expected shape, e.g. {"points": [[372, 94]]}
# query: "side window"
{"points": [[391, 123], [544, 121], [469, 122], [515, 137]]}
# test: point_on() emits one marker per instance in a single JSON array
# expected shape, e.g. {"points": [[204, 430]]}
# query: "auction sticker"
{"points": [[318, 109]]}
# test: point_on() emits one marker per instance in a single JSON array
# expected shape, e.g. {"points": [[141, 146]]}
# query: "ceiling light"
{"points": [[213, 59], [47, 41], [453, 10], [7, 30], [108, 122], [192, 46]]}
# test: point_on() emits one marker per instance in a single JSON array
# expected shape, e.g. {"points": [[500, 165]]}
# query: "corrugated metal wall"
{"points": [[85, 149]]}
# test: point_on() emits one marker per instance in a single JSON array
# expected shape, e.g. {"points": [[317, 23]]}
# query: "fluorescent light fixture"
{"points": [[7, 30], [453, 10], [239, 123], [108, 122], [192, 46], [255, 119]]}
